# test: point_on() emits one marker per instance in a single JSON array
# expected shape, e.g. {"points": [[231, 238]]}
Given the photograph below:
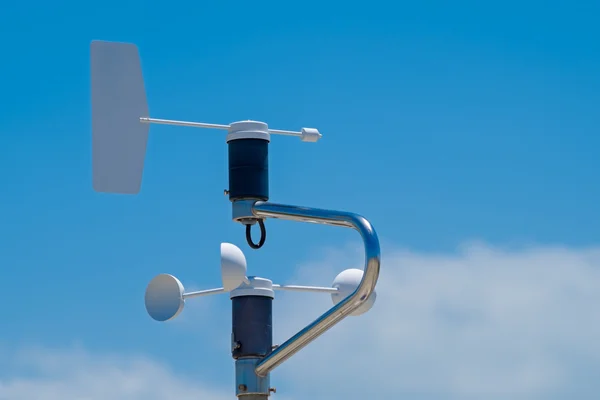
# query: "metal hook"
{"points": [[263, 235]]}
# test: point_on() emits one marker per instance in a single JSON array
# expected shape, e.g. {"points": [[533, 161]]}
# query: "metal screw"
{"points": [[242, 387]]}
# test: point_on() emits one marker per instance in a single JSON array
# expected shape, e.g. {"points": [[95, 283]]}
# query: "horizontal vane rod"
{"points": [[148, 120]]}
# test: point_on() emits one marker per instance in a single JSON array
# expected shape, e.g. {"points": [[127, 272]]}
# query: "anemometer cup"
{"points": [[346, 282], [233, 266], [164, 297]]}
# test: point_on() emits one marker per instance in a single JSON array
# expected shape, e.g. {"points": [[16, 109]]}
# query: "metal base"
{"points": [[242, 211], [248, 385]]}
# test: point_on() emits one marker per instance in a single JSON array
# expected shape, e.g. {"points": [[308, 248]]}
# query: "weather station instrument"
{"points": [[120, 127]]}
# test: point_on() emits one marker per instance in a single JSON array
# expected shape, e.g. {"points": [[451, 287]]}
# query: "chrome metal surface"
{"points": [[247, 383], [346, 306]]}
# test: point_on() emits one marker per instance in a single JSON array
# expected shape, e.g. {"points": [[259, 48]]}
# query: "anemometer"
{"points": [[120, 126]]}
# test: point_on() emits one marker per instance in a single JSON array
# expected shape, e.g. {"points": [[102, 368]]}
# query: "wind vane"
{"points": [[120, 126]]}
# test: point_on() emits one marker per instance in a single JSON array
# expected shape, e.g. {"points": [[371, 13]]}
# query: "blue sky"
{"points": [[443, 123]]}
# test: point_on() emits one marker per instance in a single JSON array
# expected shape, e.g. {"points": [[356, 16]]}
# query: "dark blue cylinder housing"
{"points": [[248, 169], [252, 328]]}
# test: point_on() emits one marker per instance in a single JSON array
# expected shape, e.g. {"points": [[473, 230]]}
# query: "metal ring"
{"points": [[263, 235]]}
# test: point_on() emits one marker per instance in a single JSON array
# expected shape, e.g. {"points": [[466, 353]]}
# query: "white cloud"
{"points": [[74, 374], [482, 323]]}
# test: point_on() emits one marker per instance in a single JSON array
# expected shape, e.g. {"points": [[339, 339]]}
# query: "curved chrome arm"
{"points": [[343, 308]]}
